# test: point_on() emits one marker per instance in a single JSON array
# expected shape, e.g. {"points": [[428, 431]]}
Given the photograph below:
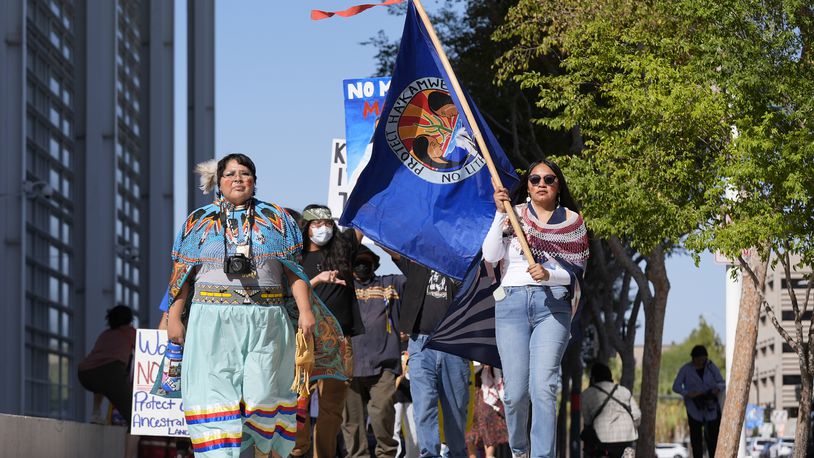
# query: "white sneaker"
{"points": [[97, 419]]}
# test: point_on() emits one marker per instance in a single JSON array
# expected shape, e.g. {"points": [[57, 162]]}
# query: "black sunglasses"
{"points": [[548, 179]]}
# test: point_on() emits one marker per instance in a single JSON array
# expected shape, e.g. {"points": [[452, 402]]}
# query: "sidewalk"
{"points": [[46, 437]]}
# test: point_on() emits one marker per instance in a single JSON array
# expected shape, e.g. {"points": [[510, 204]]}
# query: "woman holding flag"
{"points": [[533, 320]]}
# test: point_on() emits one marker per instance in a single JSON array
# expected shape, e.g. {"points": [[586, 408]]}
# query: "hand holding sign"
{"points": [[153, 415]]}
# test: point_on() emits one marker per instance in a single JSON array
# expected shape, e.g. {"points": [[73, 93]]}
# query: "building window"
{"points": [[788, 315], [791, 380], [49, 334], [796, 283]]}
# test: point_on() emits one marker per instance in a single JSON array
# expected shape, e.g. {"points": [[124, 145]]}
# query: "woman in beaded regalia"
{"points": [[237, 296]]}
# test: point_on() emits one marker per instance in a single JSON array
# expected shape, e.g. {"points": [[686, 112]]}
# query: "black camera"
{"points": [[237, 264]]}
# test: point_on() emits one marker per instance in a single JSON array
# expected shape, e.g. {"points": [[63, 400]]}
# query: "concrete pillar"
{"points": [[13, 202], [160, 151], [200, 93]]}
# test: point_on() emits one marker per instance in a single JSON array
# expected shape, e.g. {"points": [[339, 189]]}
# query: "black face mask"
{"points": [[363, 271]]}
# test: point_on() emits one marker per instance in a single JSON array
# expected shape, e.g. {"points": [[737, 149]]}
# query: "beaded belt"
{"points": [[239, 295]]}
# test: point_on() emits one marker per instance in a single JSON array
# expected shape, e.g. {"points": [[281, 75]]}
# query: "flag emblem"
{"points": [[427, 133]]}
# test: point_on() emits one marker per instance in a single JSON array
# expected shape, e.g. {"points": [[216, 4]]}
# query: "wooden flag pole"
{"points": [[453, 81]]}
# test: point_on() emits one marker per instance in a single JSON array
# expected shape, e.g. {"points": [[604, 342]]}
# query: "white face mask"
{"points": [[321, 235]]}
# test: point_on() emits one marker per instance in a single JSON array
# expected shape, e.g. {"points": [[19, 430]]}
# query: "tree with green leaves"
{"points": [[652, 127], [679, 103], [770, 178]]}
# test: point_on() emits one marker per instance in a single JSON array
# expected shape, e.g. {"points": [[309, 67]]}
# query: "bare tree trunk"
{"points": [[803, 350], [654, 310], [743, 362], [654, 303], [804, 412], [628, 368], [626, 352]]}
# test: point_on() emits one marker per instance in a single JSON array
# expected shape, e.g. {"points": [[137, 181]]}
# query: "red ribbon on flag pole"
{"points": [[316, 15]]}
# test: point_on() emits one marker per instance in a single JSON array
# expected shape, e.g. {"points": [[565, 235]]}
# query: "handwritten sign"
{"points": [[153, 415], [338, 186]]}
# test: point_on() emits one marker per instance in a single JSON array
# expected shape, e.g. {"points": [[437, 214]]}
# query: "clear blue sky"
{"points": [[279, 99]]}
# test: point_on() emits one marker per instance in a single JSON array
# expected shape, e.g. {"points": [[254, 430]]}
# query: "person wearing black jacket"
{"points": [[434, 376]]}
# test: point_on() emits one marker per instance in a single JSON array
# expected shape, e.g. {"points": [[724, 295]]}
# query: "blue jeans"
{"points": [[532, 327], [435, 376]]}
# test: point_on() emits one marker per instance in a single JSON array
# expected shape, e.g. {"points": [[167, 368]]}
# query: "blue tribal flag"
{"points": [[426, 192], [468, 329]]}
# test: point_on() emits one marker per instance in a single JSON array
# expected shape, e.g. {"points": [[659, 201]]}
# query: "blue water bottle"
{"points": [[171, 378]]}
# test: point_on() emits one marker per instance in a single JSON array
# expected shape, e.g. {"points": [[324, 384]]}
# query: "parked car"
{"points": [[756, 445], [671, 451], [782, 447]]}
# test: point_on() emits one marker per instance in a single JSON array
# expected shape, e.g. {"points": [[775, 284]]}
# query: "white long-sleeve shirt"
{"points": [[496, 247]]}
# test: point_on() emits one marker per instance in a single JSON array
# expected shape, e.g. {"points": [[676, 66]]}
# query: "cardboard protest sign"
{"points": [[153, 415]]}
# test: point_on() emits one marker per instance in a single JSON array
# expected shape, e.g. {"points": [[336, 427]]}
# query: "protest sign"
{"points": [[364, 100], [153, 415]]}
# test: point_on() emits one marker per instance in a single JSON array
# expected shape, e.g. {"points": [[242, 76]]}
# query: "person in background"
{"points": [[700, 383], [489, 421], [533, 320], [106, 370], [404, 428], [612, 412], [376, 359], [434, 376], [327, 259]]}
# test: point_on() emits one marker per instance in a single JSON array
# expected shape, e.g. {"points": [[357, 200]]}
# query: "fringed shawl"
{"points": [[565, 243], [275, 235]]}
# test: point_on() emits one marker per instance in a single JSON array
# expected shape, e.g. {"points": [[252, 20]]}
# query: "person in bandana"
{"points": [[327, 260], [533, 320], [236, 295]]}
